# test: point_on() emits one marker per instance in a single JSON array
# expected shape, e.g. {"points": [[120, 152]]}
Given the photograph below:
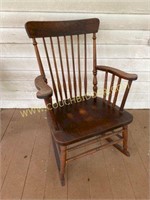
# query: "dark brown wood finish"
{"points": [[73, 64], [45, 91], [94, 66], [76, 116], [121, 75], [79, 68], [50, 69], [68, 69], [117, 72], [85, 65], [105, 86], [38, 57], [111, 88], [37, 29], [116, 91], [56, 69], [79, 121], [62, 68]]}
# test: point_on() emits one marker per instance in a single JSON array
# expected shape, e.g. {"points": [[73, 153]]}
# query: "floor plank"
{"points": [[36, 176], [53, 188], [143, 118], [119, 180], [14, 181], [6, 116], [28, 167], [78, 178], [100, 187], [9, 143], [140, 137], [136, 171]]}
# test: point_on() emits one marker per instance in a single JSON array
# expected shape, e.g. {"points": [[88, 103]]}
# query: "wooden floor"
{"points": [[28, 168]]}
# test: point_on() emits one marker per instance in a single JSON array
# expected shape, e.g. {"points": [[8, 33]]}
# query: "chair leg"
{"points": [[60, 160], [56, 154], [62, 164], [125, 140]]}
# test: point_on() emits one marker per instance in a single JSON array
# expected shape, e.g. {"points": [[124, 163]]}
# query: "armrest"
{"points": [[45, 90], [117, 72]]}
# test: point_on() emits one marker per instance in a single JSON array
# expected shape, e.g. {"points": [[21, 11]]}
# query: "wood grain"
{"points": [[53, 189], [70, 130], [20, 155], [28, 76], [74, 168], [121, 37], [100, 187], [24, 103], [28, 86], [30, 64], [136, 6], [34, 186], [117, 173], [103, 51], [124, 29], [5, 116], [137, 173], [91, 184], [108, 21], [141, 139]]}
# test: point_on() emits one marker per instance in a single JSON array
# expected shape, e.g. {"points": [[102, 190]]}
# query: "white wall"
{"points": [[122, 40]]}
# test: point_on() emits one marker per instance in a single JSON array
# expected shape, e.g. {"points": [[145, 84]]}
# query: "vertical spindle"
{"points": [[79, 70], [55, 64], [111, 88], [125, 95], [94, 66], [85, 65], [62, 68], [50, 69], [38, 57], [105, 86], [73, 64], [68, 70], [116, 92]]}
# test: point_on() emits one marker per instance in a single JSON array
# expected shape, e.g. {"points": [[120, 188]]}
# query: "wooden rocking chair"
{"points": [[79, 118]]}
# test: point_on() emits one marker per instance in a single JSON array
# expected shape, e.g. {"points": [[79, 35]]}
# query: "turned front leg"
{"points": [[125, 140], [62, 164]]}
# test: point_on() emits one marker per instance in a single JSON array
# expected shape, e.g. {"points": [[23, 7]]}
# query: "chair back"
{"points": [[64, 47]]}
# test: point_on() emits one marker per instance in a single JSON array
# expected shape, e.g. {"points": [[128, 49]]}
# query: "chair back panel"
{"points": [[64, 45], [37, 29]]}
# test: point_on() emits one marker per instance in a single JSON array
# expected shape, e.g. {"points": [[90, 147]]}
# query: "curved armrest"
{"points": [[117, 72], [45, 90]]}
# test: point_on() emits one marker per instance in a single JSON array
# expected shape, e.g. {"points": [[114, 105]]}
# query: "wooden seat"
{"points": [[67, 49], [86, 119]]}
